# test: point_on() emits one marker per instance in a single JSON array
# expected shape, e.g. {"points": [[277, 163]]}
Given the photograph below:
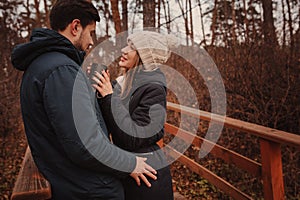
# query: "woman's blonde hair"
{"points": [[129, 76]]}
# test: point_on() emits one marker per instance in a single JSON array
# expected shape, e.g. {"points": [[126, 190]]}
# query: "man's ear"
{"points": [[75, 27]]}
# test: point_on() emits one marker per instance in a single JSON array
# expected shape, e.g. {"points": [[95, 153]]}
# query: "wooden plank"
{"points": [[218, 151], [210, 176], [274, 135], [272, 170], [160, 143], [30, 184]]}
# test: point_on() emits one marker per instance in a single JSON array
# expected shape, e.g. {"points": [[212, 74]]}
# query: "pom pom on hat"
{"points": [[153, 47]]}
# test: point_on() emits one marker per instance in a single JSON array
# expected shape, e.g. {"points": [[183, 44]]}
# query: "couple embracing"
{"points": [[77, 156]]}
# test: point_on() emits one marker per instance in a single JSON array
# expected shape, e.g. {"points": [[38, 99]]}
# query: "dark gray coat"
{"points": [[133, 128], [68, 149]]}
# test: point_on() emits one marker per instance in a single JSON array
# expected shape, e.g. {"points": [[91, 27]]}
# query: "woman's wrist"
{"points": [[99, 95]]}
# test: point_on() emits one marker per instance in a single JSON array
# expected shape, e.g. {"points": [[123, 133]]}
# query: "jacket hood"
{"points": [[145, 77], [43, 41], [141, 78]]}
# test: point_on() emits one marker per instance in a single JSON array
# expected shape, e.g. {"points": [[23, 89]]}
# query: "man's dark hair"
{"points": [[65, 11]]}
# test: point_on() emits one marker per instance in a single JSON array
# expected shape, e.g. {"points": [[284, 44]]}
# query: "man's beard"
{"points": [[78, 44]]}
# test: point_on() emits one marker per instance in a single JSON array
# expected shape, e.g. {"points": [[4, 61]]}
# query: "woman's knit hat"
{"points": [[153, 47]]}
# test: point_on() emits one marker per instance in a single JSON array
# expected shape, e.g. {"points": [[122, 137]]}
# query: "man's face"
{"points": [[85, 39]]}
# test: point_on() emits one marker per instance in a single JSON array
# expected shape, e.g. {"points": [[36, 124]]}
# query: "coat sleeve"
{"points": [[143, 126], [70, 110]]}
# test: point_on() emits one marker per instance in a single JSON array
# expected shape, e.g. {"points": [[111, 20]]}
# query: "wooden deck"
{"points": [[32, 185]]}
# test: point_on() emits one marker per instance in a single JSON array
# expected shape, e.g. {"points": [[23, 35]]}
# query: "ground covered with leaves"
{"points": [[12, 150]]}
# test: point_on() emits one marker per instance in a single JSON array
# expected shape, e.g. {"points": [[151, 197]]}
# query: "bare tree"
{"points": [[124, 15], [191, 21], [246, 22], [167, 15], [283, 24], [116, 15], [186, 21], [270, 38], [234, 23], [148, 13], [158, 12], [202, 22], [37, 13], [47, 22], [107, 16], [10, 117], [214, 23], [291, 29]]}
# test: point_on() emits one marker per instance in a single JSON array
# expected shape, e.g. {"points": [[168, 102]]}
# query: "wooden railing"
{"points": [[30, 183], [270, 168]]}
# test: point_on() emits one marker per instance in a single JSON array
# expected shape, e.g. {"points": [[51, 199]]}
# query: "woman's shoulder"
{"points": [[152, 86], [149, 91]]}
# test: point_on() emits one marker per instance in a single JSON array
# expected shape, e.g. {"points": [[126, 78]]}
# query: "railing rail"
{"points": [[270, 169], [218, 151], [269, 134]]}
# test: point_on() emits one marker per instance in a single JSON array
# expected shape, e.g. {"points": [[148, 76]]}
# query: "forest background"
{"points": [[254, 43]]}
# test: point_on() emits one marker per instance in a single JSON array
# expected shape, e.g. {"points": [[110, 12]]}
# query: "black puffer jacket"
{"points": [[67, 136], [136, 124]]}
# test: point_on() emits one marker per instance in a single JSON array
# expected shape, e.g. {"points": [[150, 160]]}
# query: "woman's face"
{"points": [[129, 58]]}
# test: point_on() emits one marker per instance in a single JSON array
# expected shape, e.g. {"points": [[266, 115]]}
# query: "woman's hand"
{"points": [[103, 85]]}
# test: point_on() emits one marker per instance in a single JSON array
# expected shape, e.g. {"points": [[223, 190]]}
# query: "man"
{"points": [[80, 163]]}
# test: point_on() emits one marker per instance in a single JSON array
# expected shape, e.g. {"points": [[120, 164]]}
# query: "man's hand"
{"points": [[142, 169]]}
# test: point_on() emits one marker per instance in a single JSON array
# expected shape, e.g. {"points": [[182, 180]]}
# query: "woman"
{"points": [[134, 111]]}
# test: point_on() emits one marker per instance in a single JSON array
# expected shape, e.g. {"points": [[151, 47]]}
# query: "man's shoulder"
{"points": [[54, 59], [48, 62]]}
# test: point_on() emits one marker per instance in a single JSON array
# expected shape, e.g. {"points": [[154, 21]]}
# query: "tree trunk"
{"points": [[290, 23], [107, 16], [186, 23], [38, 18], [116, 15], [246, 22], [124, 15], [283, 25], [148, 13], [47, 21], [202, 23], [191, 22], [233, 31], [270, 40], [167, 15], [214, 23], [158, 13], [27, 24]]}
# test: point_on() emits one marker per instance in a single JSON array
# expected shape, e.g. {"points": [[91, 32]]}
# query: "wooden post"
{"points": [[160, 143], [271, 170]]}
